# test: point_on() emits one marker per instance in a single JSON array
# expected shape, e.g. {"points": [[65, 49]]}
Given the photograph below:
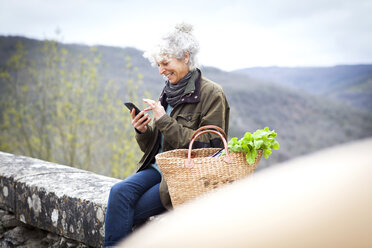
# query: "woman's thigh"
{"points": [[134, 186]]}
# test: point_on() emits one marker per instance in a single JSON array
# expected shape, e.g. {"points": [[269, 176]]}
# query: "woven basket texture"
{"points": [[207, 174]]}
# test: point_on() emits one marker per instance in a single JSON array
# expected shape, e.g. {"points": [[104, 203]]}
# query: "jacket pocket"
{"points": [[190, 120]]}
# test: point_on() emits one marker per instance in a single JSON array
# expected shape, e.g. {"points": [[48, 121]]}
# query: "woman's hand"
{"points": [[139, 122], [156, 108]]}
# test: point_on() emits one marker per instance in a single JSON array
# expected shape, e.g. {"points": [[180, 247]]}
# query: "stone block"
{"points": [[13, 168], [57, 198]]}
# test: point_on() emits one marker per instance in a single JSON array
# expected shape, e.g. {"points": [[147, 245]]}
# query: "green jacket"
{"points": [[204, 103]]}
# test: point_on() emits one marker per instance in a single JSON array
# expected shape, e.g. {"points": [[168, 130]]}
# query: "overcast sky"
{"points": [[233, 34]]}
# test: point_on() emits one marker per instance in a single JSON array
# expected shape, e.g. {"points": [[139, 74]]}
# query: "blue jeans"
{"points": [[131, 202]]}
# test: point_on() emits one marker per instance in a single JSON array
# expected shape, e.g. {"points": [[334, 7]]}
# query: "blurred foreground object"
{"points": [[320, 200]]}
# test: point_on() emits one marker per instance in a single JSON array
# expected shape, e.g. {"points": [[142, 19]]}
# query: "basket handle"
{"points": [[209, 127], [189, 163]]}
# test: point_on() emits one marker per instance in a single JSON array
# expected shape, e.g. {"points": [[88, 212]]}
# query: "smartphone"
{"points": [[131, 106]]}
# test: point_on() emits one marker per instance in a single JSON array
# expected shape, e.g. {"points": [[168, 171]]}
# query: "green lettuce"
{"points": [[261, 139]]}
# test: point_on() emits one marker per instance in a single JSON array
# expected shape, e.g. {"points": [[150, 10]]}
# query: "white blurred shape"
{"points": [[320, 200]]}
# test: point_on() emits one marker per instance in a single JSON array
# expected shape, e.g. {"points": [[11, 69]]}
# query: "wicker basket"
{"points": [[190, 173]]}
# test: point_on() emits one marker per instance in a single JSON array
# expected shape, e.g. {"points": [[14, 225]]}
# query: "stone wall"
{"points": [[14, 233], [57, 203]]}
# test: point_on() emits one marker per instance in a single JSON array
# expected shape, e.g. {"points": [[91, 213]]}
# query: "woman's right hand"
{"points": [[139, 122]]}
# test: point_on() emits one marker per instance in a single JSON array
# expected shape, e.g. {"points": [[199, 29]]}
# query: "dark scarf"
{"points": [[174, 92]]}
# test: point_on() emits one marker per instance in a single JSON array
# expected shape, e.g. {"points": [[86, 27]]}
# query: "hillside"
{"points": [[349, 83], [304, 122]]}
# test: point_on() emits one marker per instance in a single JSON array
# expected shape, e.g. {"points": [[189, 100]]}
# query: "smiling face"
{"points": [[174, 69]]}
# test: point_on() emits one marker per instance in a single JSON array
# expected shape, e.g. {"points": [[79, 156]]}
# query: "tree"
{"points": [[57, 109]]}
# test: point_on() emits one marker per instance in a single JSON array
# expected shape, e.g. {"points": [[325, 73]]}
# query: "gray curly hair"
{"points": [[176, 44]]}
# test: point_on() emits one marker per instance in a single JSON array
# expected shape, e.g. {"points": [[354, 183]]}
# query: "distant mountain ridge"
{"points": [[302, 114], [349, 83]]}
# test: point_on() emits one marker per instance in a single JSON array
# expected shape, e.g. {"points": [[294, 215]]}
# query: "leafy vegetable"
{"points": [[261, 139]]}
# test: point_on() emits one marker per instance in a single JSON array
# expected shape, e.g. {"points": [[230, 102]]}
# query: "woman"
{"points": [[188, 101]]}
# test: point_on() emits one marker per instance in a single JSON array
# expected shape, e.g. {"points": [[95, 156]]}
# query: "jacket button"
{"points": [[189, 118], [182, 99], [196, 97]]}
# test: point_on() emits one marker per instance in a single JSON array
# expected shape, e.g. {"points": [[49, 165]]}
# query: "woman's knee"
{"points": [[119, 190]]}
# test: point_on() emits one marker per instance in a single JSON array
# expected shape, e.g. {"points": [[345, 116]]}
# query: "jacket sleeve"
{"points": [[144, 139], [214, 112]]}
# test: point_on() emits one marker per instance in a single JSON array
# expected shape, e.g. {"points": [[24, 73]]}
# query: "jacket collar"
{"points": [[191, 94]]}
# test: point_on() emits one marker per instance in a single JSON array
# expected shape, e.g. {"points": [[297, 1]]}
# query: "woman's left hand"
{"points": [[156, 108]]}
